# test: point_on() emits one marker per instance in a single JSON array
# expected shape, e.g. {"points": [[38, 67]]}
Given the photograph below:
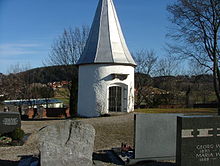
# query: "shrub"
{"points": [[5, 140], [17, 134]]}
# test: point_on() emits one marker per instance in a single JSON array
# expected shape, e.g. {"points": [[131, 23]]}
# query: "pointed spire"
{"points": [[106, 43]]}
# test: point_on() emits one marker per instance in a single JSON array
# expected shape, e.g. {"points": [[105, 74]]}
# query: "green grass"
{"points": [[64, 100], [62, 94], [179, 110]]}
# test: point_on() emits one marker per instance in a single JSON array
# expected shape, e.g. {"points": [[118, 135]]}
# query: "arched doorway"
{"points": [[117, 99]]}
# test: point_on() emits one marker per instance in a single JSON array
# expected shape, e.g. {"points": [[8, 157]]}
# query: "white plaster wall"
{"points": [[94, 81]]}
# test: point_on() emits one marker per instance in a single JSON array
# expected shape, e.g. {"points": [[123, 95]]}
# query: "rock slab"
{"points": [[68, 143]]}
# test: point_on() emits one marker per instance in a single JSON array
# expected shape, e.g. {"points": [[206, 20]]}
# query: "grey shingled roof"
{"points": [[106, 43]]}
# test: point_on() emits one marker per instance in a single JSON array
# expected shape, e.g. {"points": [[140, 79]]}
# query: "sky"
{"points": [[28, 28]]}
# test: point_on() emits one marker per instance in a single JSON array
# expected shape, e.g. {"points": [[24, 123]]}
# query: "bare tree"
{"points": [[65, 51], [167, 66], [196, 29], [146, 61], [15, 84], [68, 47], [196, 68]]}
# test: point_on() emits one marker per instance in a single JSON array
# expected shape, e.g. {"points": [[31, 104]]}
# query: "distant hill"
{"points": [[60, 73], [197, 89], [50, 74]]}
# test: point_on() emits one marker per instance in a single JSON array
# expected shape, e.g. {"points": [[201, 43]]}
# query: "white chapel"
{"points": [[106, 67]]}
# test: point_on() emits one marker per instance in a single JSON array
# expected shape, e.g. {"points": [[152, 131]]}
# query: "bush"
{"points": [[17, 134], [5, 140]]}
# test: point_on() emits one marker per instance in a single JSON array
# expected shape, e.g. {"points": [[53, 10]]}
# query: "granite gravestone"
{"points": [[155, 136], [198, 141], [67, 143], [9, 121]]}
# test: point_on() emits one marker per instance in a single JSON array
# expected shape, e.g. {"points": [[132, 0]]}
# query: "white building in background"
{"points": [[106, 67]]}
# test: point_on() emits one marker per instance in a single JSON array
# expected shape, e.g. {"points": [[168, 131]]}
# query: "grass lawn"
{"points": [[62, 94], [179, 110], [63, 99]]}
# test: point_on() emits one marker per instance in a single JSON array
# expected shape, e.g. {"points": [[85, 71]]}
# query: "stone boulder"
{"points": [[68, 143]]}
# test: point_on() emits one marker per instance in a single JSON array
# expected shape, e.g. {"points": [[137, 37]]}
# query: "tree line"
{"points": [[150, 91]]}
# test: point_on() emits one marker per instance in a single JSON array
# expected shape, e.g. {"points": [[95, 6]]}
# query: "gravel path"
{"points": [[112, 131], [14, 153]]}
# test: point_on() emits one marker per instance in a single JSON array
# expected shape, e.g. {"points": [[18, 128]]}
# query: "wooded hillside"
{"points": [[150, 91]]}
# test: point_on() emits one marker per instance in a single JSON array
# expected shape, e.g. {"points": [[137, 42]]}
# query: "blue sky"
{"points": [[29, 27]]}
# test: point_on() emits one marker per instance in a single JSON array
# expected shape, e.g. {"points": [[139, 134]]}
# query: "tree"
{"points": [[167, 66], [146, 61], [65, 51], [196, 29], [196, 68], [38, 90], [15, 85], [2, 95], [42, 91]]}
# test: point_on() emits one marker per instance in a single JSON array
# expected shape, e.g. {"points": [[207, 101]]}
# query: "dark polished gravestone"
{"points": [[9, 121], [198, 141]]}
